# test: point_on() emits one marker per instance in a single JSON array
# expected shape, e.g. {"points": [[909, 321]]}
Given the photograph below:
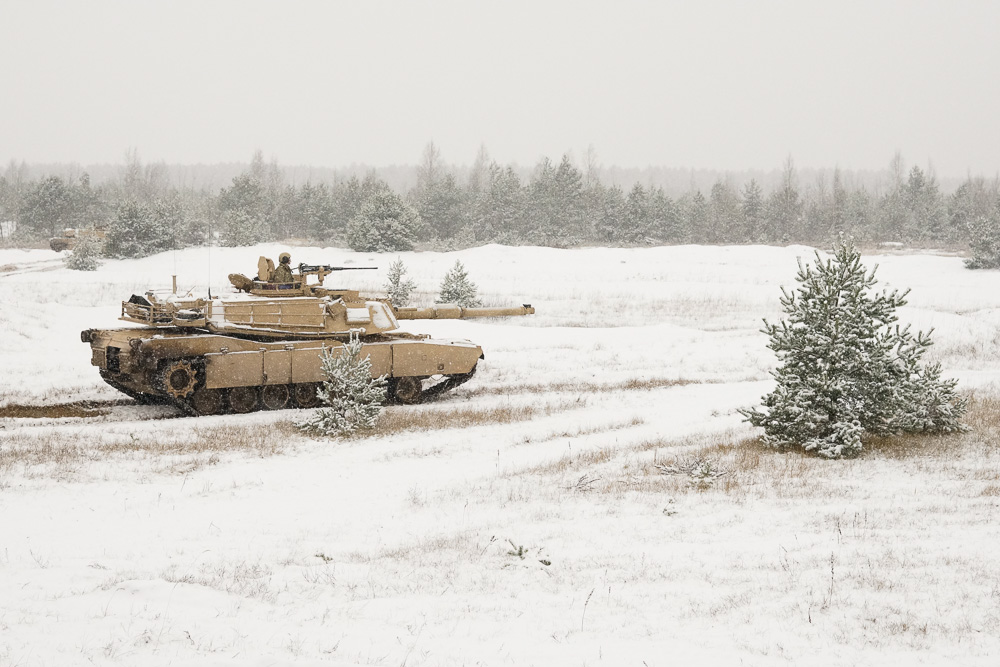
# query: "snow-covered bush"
{"points": [[397, 286], [139, 229], [458, 289], [242, 228], [384, 223], [845, 369], [984, 241], [86, 254], [352, 398]]}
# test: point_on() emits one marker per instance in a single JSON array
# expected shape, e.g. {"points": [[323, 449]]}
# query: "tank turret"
{"points": [[260, 346]]}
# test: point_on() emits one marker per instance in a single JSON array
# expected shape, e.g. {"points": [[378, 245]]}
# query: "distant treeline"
{"points": [[557, 204]]}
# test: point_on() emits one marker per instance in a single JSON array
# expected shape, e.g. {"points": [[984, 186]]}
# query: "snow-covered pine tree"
{"points": [[458, 289], [241, 228], [352, 398], [384, 223], [984, 240], [397, 286], [86, 254], [138, 230], [846, 369]]}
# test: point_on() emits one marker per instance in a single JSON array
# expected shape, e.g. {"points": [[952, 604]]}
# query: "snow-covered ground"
{"points": [[523, 519]]}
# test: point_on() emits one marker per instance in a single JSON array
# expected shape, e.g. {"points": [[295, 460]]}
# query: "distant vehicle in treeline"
{"points": [[71, 236]]}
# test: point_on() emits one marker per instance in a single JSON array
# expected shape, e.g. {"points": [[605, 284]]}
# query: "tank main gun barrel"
{"points": [[451, 312]]}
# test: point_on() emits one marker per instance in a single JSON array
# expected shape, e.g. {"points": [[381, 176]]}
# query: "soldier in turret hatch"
{"points": [[283, 273]]}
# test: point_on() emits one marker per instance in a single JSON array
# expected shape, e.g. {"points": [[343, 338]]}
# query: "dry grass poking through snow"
{"points": [[44, 453], [739, 465], [581, 387], [891, 551], [51, 454], [424, 418]]}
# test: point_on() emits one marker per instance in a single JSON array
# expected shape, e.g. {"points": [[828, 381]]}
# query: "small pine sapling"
{"points": [[846, 368], [984, 240], [85, 255], [352, 398], [458, 289], [397, 286]]}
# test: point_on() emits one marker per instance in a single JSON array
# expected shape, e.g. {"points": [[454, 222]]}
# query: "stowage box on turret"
{"points": [[260, 347]]}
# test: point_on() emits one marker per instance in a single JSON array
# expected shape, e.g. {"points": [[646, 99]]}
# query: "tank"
{"points": [[260, 346], [70, 237]]}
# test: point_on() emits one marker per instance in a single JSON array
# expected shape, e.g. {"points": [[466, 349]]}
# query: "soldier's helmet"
{"points": [[284, 258]]}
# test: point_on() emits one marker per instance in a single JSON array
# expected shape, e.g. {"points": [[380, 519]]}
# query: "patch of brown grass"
{"points": [[982, 420], [756, 468], [54, 455], [570, 463], [421, 547], [76, 409], [584, 430], [402, 419], [582, 387]]}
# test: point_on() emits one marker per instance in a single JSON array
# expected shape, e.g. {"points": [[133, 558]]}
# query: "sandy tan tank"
{"points": [[70, 237], [260, 346]]}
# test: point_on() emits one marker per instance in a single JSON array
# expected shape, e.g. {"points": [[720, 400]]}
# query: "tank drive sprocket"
{"points": [[180, 378]]}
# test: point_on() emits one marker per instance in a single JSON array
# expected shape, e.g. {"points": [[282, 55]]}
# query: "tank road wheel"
{"points": [[274, 396], [244, 399], [407, 390], [305, 395], [207, 401], [179, 378]]}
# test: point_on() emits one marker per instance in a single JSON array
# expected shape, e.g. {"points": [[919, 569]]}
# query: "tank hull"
{"points": [[205, 373]]}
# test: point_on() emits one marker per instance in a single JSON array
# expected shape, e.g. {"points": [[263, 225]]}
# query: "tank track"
{"points": [[184, 404], [138, 397], [431, 393]]}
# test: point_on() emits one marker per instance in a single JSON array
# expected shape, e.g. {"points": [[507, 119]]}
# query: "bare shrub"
{"points": [[701, 472], [251, 580]]}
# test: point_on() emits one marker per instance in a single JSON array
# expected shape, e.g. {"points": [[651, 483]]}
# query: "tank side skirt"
{"points": [[233, 362]]}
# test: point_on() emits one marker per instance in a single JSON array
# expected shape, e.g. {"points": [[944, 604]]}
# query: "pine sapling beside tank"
{"points": [[846, 368], [86, 254], [352, 399], [397, 286], [458, 289]]}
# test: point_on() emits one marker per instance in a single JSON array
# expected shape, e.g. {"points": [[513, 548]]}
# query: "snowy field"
{"points": [[525, 518]]}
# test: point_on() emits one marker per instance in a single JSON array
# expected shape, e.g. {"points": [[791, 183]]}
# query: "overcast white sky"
{"points": [[723, 84]]}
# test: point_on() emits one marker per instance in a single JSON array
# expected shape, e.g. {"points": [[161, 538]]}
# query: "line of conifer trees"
{"points": [[559, 205]]}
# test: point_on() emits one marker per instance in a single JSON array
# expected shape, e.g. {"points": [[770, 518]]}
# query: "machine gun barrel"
{"points": [[451, 312], [326, 268]]}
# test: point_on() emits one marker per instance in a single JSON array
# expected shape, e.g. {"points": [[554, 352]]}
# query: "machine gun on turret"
{"points": [[323, 270], [263, 283]]}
